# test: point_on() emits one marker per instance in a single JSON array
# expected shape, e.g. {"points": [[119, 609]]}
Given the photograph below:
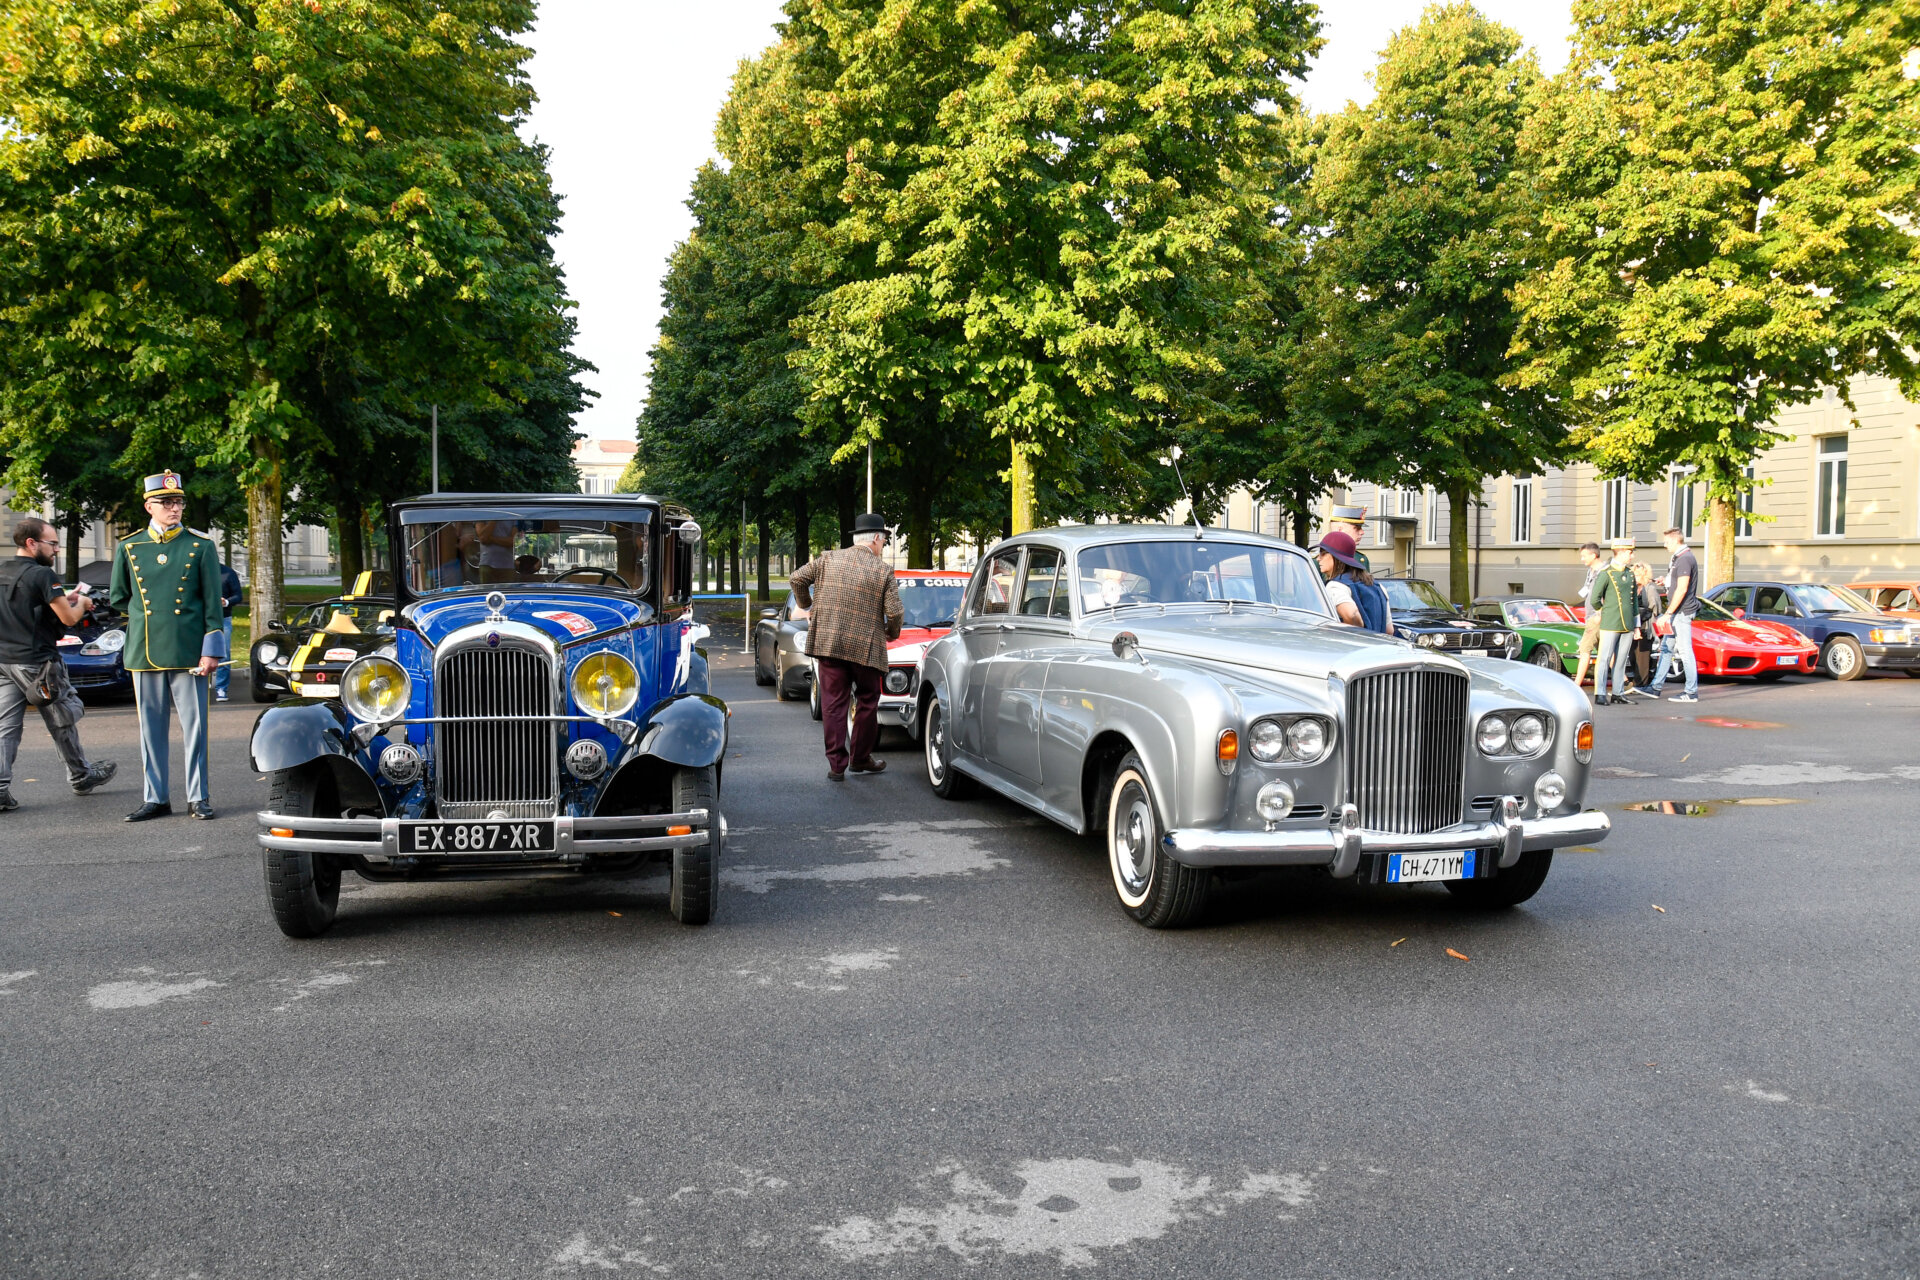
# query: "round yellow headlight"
{"points": [[375, 689], [605, 685]]}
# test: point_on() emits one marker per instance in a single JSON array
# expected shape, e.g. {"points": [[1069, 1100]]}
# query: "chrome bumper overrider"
{"points": [[1339, 845], [574, 840]]}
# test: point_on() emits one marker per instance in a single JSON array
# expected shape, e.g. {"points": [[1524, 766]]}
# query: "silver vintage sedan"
{"points": [[1189, 694]]}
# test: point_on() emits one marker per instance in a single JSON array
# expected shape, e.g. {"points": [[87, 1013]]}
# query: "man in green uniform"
{"points": [[1353, 522], [1615, 600], [166, 579]]}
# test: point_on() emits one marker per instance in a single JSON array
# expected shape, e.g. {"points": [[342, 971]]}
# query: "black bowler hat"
{"points": [[867, 522]]}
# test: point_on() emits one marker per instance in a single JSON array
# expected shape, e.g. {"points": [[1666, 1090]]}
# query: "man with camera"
{"points": [[34, 610]]}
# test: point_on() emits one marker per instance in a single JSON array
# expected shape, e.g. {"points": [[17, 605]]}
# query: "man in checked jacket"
{"points": [[855, 609]]}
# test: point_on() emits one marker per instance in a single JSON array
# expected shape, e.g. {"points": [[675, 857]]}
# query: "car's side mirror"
{"points": [[274, 624], [1126, 647], [769, 613], [689, 531]]}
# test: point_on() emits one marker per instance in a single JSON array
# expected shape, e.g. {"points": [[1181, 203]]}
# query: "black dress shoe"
{"points": [[869, 766], [202, 810], [1603, 701], [150, 810]]}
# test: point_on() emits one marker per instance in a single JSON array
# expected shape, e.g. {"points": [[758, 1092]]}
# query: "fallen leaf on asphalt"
{"points": [[1657, 907], [1456, 955], [614, 914], [1396, 942]]}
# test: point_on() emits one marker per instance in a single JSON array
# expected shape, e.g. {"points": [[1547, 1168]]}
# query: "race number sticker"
{"points": [[339, 655], [573, 622], [941, 582]]}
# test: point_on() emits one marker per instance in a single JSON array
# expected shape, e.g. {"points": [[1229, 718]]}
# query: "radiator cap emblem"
{"points": [[493, 639]]}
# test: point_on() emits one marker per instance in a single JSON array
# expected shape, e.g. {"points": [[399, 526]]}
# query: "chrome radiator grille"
{"points": [[1406, 749], [495, 763]]}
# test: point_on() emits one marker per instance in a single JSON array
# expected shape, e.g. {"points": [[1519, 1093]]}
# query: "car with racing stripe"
{"points": [[307, 656], [930, 598]]}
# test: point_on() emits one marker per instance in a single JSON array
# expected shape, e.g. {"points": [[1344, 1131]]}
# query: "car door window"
{"points": [[1774, 600], [993, 594], [1732, 598], [1488, 613], [1901, 599], [1042, 582]]}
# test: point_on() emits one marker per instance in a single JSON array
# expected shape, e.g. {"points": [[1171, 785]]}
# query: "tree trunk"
{"points": [[1302, 517], [74, 527], [766, 554], [920, 526], [802, 526], [1722, 520], [733, 556], [1457, 507], [846, 493], [347, 525], [1021, 479], [263, 547]]}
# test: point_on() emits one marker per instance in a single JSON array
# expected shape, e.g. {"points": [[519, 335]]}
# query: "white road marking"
{"points": [[1066, 1207], [903, 897], [1752, 1089], [902, 851], [136, 995], [8, 979], [580, 1254], [1799, 771], [319, 982]]}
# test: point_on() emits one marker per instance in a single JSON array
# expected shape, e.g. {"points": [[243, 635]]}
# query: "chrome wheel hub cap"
{"points": [[1133, 842]]}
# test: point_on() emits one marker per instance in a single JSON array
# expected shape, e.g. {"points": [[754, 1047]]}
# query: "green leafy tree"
{"points": [[1418, 251], [237, 213], [1725, 218]]}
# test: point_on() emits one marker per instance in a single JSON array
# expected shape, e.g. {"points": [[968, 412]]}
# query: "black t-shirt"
{"points": [[1684, 566], [29, 631]]}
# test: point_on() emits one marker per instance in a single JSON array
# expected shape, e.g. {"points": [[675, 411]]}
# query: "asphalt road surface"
{"points": [[921, 1040]]}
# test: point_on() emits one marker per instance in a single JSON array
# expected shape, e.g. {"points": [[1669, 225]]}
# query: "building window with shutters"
{"points": [[1616, 510], [1830, 507], [1681, 492], [1523, 511]]}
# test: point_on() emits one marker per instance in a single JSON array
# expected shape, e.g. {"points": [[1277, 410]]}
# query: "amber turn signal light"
{"points": [[1228, 748], [1583, 740], [285, 833], [679, 831]]}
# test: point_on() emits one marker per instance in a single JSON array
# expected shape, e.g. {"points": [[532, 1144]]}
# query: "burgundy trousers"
{"points": [[840, 680]]}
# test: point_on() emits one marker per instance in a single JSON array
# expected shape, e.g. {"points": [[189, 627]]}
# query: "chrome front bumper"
{"points": [[895, 711], [1339, 845], [574, 840]]}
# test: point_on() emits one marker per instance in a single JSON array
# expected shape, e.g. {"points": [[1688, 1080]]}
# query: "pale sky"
{"points": [[629, 90]]}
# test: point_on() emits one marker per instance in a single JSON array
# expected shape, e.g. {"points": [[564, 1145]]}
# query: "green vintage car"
{"points": [[1549, 629]]}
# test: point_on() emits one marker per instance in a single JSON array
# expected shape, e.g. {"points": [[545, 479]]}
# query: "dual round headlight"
{"points": [[605, 685], [376, 689], [1522, 734], [1301, 740]]}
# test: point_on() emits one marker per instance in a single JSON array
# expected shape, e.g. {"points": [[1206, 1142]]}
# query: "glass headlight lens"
{"points": [[112, 641], [1306, 739], [1266, 740], [1491, 736], [605, 685], [1529, 734], [268, 651], [375, 689]]}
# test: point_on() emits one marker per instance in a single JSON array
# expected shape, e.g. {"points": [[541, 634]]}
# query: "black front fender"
{"points": [[294, 731], [690, 730]]}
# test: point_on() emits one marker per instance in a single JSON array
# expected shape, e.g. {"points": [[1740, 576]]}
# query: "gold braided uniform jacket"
{"points": [[170, 591], [855, 605]]}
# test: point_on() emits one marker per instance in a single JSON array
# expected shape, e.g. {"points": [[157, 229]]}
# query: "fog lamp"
{"points": [[1491, 736], [1549, 792], [586, 759], [375, 688], [1274, 801], [400, 763]]}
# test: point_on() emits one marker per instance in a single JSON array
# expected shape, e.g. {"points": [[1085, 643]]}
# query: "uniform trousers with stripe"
{"points": [[155, 693]]}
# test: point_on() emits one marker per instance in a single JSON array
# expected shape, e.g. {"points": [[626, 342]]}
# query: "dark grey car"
{"points": [[780, 650]]}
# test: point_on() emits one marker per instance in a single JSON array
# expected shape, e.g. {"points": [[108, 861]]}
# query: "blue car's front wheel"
{"points": [[694, 886]]}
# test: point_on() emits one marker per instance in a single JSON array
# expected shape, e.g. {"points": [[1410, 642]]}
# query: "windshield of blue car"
{"points": [[1165, 572], [930, 602], [1410, 595], [1823, 599], [465, 549]]}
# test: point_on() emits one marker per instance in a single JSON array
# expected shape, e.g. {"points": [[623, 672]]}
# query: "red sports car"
{"points": [[931, 598], [1728, 645]]}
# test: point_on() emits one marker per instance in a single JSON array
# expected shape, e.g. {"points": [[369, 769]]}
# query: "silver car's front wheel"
{"points": [[1153, 888], [946, 783]]}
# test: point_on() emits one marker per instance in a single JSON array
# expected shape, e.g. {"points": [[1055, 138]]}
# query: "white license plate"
{"points": [[477, 837], [1471, 653], [1788, 661], [1410, 868]]}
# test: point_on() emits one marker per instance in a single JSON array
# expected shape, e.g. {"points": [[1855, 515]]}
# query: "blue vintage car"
{"points": [[1854, 637], [91, 649], [540, 709]]}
